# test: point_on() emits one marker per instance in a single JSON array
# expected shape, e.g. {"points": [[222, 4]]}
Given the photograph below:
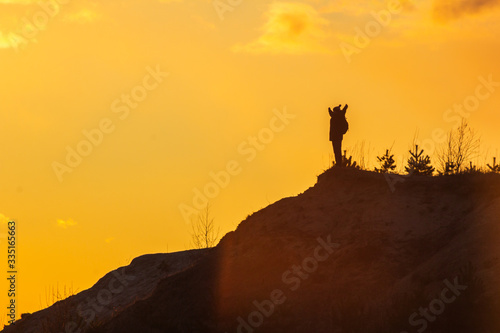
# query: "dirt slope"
{"points": [[347, 255], [113, 293]]}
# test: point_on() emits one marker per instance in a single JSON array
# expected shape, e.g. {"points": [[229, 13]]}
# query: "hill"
{"points": [[351, 254]]}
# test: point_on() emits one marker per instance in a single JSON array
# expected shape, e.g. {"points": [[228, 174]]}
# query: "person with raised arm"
{"points": [[338, 127]]}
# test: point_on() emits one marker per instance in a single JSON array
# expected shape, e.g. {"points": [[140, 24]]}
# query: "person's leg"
{"points": [[340, 153], [334, 155], [337, 150]]}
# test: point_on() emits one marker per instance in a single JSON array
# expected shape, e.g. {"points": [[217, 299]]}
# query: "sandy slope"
{"points": [[347, 255], [113, 293]]}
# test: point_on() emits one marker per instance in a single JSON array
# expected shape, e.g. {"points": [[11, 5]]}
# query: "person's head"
{"points": [[337, 108]]}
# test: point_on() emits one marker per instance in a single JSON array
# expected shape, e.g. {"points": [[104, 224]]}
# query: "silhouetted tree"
{"points": [[204, 233], [471, 168], [495, 167], [418, 164], [449, 169], [348, 162], [387, 163], [460, 147]]}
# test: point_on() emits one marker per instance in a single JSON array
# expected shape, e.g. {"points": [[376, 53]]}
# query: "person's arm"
{"points": [[330, 112], [345, 109]]}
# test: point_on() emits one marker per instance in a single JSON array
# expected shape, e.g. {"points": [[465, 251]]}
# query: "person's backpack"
{"points": [[344, 125]]}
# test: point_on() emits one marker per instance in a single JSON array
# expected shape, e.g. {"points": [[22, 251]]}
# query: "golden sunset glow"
{"points": [[120, 119]]}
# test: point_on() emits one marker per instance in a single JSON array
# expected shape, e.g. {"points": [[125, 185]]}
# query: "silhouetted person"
{"points": [[338, 127]]}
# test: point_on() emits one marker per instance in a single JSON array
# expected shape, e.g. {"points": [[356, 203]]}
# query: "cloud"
{"points": [[85, 15], [20, 18], [346, 7], [289, 28], [18, 2], [445, 10], [66, 224], [86, 12], [356, 8], [4, 41], [3, 219]]}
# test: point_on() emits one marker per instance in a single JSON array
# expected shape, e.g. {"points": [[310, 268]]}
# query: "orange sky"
{"points": [[171, 92]]}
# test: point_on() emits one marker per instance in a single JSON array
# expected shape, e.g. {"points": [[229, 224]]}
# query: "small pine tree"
{"points": [[450, 168], [418, 164], [348, 163], [495, 167], [472, 168], [387, 163]]}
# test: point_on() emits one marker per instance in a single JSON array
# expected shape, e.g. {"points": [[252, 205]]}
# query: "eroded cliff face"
{"points": [[351, 254]]}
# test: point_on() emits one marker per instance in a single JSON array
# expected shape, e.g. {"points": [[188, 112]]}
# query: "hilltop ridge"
{"points": [[350, 254]]}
